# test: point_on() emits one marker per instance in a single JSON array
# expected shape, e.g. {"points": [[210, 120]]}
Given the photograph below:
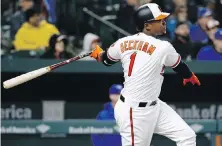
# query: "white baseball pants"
{"points": [[138, 124]]}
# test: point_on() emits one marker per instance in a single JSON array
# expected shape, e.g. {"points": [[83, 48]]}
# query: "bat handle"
{"points": [[57, 65]]}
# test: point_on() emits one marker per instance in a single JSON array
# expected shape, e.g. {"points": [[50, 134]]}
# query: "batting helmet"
{"points": [[148, 12], [115, 89]]}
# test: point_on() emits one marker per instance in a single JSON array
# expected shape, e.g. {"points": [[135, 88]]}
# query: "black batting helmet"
{"points": [[148, 12]]}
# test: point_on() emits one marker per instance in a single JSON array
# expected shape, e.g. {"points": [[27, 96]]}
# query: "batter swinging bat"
{"points": [[39, 72]]}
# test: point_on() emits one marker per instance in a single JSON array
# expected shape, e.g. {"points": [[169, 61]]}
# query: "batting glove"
{"points": [[97, 53], [193, 79]]}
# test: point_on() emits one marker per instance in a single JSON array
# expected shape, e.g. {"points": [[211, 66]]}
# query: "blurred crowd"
{"points": [[60, 29]]}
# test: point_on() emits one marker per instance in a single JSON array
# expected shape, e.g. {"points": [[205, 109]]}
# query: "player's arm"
{"points": [[173, 59], [185, 72]]}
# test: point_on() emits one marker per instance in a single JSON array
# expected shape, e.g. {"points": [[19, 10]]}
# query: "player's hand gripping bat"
{"points": [[193, 79], [39, 72], [96, 54]]}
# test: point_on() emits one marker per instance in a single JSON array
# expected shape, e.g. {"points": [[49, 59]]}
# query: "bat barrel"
{"points": [[36, 73], [25, 77]]}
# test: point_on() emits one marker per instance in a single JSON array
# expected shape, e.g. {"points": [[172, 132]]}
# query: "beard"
{"points": [[161, 32]]}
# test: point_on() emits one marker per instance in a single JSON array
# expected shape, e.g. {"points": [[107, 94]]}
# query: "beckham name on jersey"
{"points": [[137, 45]]}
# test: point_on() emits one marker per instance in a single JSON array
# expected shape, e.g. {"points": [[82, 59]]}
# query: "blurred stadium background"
{"points": [[60, 108]]}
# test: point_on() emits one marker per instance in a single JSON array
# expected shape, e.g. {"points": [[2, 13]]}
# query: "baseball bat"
{"points": [[39, 72]]}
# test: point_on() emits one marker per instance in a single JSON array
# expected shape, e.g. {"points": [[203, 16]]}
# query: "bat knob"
{"points": [[5, 86]]}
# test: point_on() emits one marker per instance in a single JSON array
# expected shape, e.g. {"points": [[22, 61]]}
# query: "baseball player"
{"points": [[108, 114], [139, 112]]}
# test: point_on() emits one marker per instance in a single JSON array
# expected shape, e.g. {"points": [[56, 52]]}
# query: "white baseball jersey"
{"points": [[143, 60]]}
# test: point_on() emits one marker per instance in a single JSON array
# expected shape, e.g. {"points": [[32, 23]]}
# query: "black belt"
{"points": [[141, 104]]}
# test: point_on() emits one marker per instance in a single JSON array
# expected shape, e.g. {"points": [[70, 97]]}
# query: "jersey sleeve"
{"points": [[113, 52], [170, 57]]}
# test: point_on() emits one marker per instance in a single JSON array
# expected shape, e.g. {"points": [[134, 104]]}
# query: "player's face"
{"points": [[162, 27], [158, 27]]}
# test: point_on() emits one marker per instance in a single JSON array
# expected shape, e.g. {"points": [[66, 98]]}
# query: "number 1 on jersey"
{"points": [[132, 59]]}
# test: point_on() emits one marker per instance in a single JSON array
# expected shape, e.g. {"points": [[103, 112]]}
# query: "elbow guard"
{"points": [[105, 60]]}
